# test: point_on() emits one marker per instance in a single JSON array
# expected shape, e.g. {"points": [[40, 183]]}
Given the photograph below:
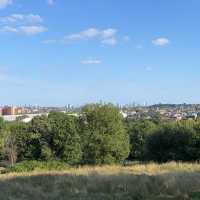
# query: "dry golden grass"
{"points": [[149, 182], [150, 168]]}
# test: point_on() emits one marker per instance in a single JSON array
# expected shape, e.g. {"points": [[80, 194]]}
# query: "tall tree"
{"points": [[40, 138], [14, 143], [2, 132], [138, 131], [103, 134], [65, 138]]}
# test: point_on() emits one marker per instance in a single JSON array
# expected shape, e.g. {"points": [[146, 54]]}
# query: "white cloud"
{"points": [[22, 19], [5, 3], [162, 41], [51, 2], [107, 33], [90, 33], [29, 24], [109, 41], [86, 34], [9, 29], [28, 30], [91, 62], [106, 36], [32, 30]]}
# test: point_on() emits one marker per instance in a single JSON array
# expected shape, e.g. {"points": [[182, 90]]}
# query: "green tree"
{"points": [[104, 136], [169, 142], [138, 131], [14, 143], [39, 144], [194, 149], [65, 138], [2, 137], [2, 123]]}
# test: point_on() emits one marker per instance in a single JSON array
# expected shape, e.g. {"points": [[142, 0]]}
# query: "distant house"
{"points": [[191, 116], [12, 110], [27, 118], [124, 114]]}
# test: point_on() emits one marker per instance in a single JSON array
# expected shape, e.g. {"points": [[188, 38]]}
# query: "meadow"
{"points": [[170, 181]]}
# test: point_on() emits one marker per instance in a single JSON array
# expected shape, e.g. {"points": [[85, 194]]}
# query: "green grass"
{"points": [[172, 181]]}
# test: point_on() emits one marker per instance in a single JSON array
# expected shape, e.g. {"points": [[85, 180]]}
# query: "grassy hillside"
{"points": [[170, 181]]}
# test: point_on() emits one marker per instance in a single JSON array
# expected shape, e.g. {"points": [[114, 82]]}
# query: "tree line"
{"points": [[98, 136]]}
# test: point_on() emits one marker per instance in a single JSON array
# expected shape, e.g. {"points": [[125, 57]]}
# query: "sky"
{"points": [[59, 52]]}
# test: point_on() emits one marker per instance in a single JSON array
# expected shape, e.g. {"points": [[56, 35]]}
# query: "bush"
{"points": [[138, 131], [28, 166], [169, 142], [65, 140]]}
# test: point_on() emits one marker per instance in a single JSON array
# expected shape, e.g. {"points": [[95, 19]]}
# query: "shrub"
{"points": [[65, 139], [169, 142], [138, 131], [28, 166]]}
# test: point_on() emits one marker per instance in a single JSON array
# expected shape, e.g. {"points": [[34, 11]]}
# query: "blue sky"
{"points": [[58, 52]]}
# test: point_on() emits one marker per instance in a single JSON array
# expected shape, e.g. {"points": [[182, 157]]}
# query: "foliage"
{"points": [[104, 135], [138, 131], [28, 166], [170, 142], [14, 144], [39, 131], [2, 132], [98, 136], [65, 140]]}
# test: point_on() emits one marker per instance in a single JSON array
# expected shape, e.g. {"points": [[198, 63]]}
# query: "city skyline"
{"points": [[56, 52]]}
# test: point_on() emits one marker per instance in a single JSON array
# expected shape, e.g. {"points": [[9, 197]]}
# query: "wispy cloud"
{"points": [[161, 41], [21, 18], [104, 36], [5, 3], [28, 30], [9, 29], [109, 41], [32, 30], [29, 24], [91, 33], [91, 61], [108, 33]]}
